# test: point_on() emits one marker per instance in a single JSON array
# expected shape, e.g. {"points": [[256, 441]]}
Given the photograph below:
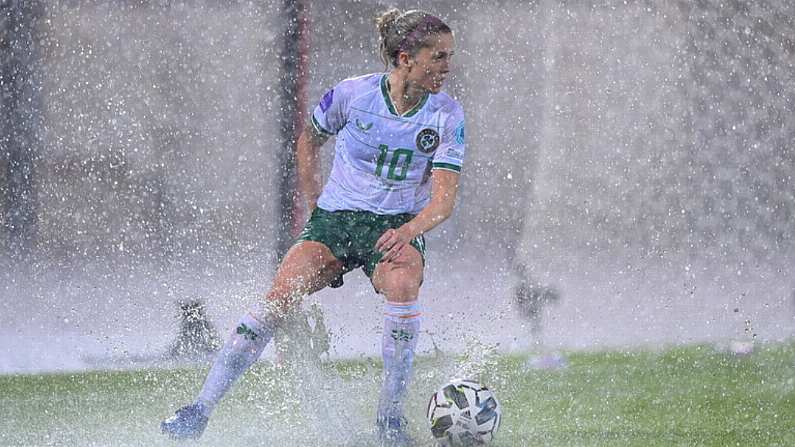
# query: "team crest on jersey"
{"points": [[427, 141]]}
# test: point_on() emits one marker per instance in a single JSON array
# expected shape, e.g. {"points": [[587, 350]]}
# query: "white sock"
{"points": [[240, 351], [401, 332]]}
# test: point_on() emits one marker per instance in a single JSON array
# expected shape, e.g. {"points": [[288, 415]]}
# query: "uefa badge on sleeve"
{"points": [[326, 100], [459, 133]]}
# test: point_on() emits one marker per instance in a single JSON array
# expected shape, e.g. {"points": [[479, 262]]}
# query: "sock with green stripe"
{"points": [[243, 347], [399, 340]]}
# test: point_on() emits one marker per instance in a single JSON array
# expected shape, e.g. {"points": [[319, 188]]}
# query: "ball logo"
{"points": [[463, 412], [427, 141]]}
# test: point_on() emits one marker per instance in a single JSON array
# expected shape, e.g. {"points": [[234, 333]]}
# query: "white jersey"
{"points": [[383, 160]]}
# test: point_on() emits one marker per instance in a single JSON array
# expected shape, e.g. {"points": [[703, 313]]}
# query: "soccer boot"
{"points": [[392, 432], [188, 423]]}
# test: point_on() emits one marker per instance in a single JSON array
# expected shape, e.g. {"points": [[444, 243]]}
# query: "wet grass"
{"points": [[680, 396]]}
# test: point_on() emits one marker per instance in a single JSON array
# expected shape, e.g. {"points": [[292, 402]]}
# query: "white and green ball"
{"points": [[464, 413]]}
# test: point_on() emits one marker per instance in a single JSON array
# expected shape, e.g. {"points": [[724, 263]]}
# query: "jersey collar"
{"points": [[391, 106]]}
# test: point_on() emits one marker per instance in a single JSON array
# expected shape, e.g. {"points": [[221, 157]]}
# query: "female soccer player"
{"points": [[398, 155]]}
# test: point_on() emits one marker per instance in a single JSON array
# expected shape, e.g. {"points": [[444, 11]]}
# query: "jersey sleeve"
{"points": [[450, 155], [331, 113]]}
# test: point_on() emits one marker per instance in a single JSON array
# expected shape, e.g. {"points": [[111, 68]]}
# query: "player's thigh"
{"points": [[306, 268], [399, 280]]}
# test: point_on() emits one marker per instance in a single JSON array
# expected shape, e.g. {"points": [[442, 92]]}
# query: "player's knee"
{"points": [[400, 289], [281, 301], [289, 289]]}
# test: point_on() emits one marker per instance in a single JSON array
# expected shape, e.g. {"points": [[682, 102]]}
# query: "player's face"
{"points": [[432, 63]]}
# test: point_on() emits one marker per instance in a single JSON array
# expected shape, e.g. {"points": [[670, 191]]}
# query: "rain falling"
{"points": [[625, 207]]}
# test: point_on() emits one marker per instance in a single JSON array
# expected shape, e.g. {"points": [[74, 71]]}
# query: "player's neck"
{"points": [[404, 96]]}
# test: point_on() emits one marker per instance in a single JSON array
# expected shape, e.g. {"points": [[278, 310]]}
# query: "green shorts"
{"points": [[351, 237]]}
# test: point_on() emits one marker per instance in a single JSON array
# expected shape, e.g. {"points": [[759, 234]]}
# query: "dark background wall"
{"points": [[161, 129]]}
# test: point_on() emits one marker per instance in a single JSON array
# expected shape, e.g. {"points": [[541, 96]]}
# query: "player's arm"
{"points": [[308, 161], [444, 187]]}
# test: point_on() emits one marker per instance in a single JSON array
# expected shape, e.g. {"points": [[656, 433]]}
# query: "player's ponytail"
{"points": [[385, 23], [405, 31]]}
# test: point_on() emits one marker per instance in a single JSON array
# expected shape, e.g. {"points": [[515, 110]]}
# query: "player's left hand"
{"points": [[392, 243]]}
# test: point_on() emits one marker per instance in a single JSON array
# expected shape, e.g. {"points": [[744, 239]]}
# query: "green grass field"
{"points": [[680, 396]]}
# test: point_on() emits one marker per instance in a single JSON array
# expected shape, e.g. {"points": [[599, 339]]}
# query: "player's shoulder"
{"points": [[350, 89], [444, 103], [364, 82]]}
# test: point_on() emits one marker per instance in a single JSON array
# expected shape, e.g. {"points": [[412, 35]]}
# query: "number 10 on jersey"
{"points": [[400, 157]]}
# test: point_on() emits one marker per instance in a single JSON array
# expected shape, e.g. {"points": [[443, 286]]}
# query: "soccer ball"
{"points": [[464, 413]]}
